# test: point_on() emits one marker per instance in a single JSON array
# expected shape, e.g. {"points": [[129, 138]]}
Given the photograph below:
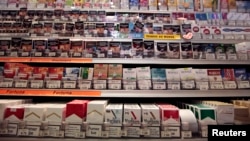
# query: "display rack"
{"points": [[124, 93], [136, 94], [122, 61]]}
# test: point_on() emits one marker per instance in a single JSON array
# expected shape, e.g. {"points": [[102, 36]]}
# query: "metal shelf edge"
{"points": [[96, 139]]}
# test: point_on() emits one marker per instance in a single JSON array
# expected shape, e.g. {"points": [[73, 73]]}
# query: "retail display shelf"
{"points": [[169, 61], [110, 39], [124, 93], [125, 139], [123, 61]]}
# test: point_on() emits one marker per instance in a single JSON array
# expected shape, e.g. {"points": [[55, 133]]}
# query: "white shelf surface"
{"points": [[175, 93], [134, 93], [170, 61], [122, 139]]}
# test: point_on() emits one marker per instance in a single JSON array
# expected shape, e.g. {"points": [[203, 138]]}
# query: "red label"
{"points": [[77, 107], [17, 112], [217, 31], [228, 74], [170, 114], [206, 31], [196, 29], [213, 72]]}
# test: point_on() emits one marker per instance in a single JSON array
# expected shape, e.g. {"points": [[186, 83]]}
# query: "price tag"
{"points": [[210, 56], [204, 134], [209, 36], [13, 54], [216, 85], [85, 85], [53, 133], [229, 37], [89, 55], [221, 57], [94, 131], [23, 132], [101, 55], [219, 37], [145, 132], [25, 54], [6, 84], [41, 133], [45, 133], [60, 134], [53, 84], [54, 35], [124, 133], [165, 134], [52, 54], [53, 128], [243, 84], [243, 56], [64, 54], [239, 37], [129, 87], [12, 129], [3, 131], [105, 134], [144, 87], [36, 84], [175, 87], [38, 54], [173, 131], [77, 54], [231, 23], [186, 134], [80, 135], [115, 86], [232, 56], [159, 85], [99, 86], [21, 83], [203, 87], [72, 127], [230, 85], [1, 53], [34, 131], [188, 85], [69, 84]]}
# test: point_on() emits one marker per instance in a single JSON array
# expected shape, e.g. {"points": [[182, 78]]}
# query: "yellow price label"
{"points": [[162, 37]]}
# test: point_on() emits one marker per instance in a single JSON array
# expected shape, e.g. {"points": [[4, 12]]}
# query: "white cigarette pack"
{"points": [[132, 115], [96, 111], [34, 113], [150, 114], [114, 114], [55, 114]]}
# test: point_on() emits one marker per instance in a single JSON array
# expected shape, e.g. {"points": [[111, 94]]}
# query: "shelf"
{"points": [[124, 93], [96, 139], [110, 39], [122, 139], [123, 61], [170, 61]]}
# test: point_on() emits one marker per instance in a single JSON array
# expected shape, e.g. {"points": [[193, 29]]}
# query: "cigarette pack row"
{"points": [[138, 48], [171, 5], [107, 76], [93, 112]]}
